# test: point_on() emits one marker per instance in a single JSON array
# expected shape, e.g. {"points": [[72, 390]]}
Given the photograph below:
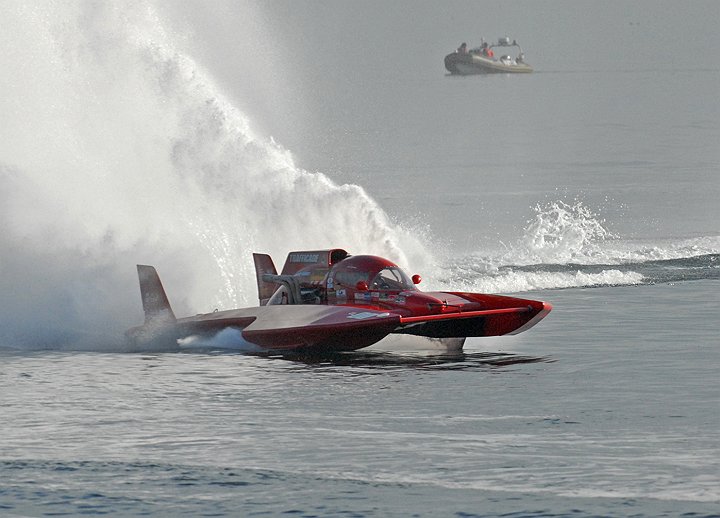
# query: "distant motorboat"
{"points": [[482, 59]]}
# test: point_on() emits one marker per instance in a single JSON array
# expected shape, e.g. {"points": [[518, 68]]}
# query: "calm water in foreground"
{"points": [[610, 407]]}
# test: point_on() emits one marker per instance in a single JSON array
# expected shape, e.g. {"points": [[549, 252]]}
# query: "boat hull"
{"points": [[469, 64]]}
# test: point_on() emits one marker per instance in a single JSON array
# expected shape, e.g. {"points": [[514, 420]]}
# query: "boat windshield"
{"points": [[391, 278]]}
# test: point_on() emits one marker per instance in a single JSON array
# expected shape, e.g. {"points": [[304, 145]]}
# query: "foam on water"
{"points": [[519, 281]]}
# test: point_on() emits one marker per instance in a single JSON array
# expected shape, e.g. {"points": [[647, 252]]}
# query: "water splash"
{"points": [[227, 339], [562, 233], [568, 245], [117, 148]]}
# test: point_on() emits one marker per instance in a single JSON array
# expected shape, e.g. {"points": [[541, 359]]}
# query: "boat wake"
{"points": [[569, 246]]}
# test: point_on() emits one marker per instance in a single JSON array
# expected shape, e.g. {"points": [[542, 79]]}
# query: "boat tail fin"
{"points": [[155, 302], [264, 264]]}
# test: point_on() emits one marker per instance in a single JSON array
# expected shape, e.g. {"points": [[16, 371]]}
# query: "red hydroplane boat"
{"points": [[327, 301]]}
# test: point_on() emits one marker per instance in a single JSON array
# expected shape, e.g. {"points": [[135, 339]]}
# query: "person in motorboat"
{"points": [[462, 49], [483, 59], [486, 50]]}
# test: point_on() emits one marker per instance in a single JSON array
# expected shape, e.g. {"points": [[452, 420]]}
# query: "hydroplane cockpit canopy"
{"points": [[391, 278], [377, 274]]}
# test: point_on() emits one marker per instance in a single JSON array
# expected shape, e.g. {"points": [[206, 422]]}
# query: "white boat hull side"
{"points": [[468, 64]]}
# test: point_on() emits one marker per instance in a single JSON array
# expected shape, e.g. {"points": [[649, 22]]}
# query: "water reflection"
{"points": [[383, 360]]}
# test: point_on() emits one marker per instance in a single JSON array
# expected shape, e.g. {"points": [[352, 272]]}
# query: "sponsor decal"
{"points": [[304, 258], [364, 295], [400, 299], [341, 294], [375, 295], [367, 314], [388, 297]]}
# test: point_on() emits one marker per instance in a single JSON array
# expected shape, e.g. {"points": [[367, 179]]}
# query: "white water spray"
{"points": [[567, 245], [562, 233], [117, 149]]}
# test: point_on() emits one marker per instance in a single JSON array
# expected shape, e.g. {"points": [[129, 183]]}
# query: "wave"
{"points": [[567, 245], [572, 233]]}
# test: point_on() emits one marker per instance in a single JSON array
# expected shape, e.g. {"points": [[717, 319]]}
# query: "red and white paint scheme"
{"points": [[327, 301]]}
